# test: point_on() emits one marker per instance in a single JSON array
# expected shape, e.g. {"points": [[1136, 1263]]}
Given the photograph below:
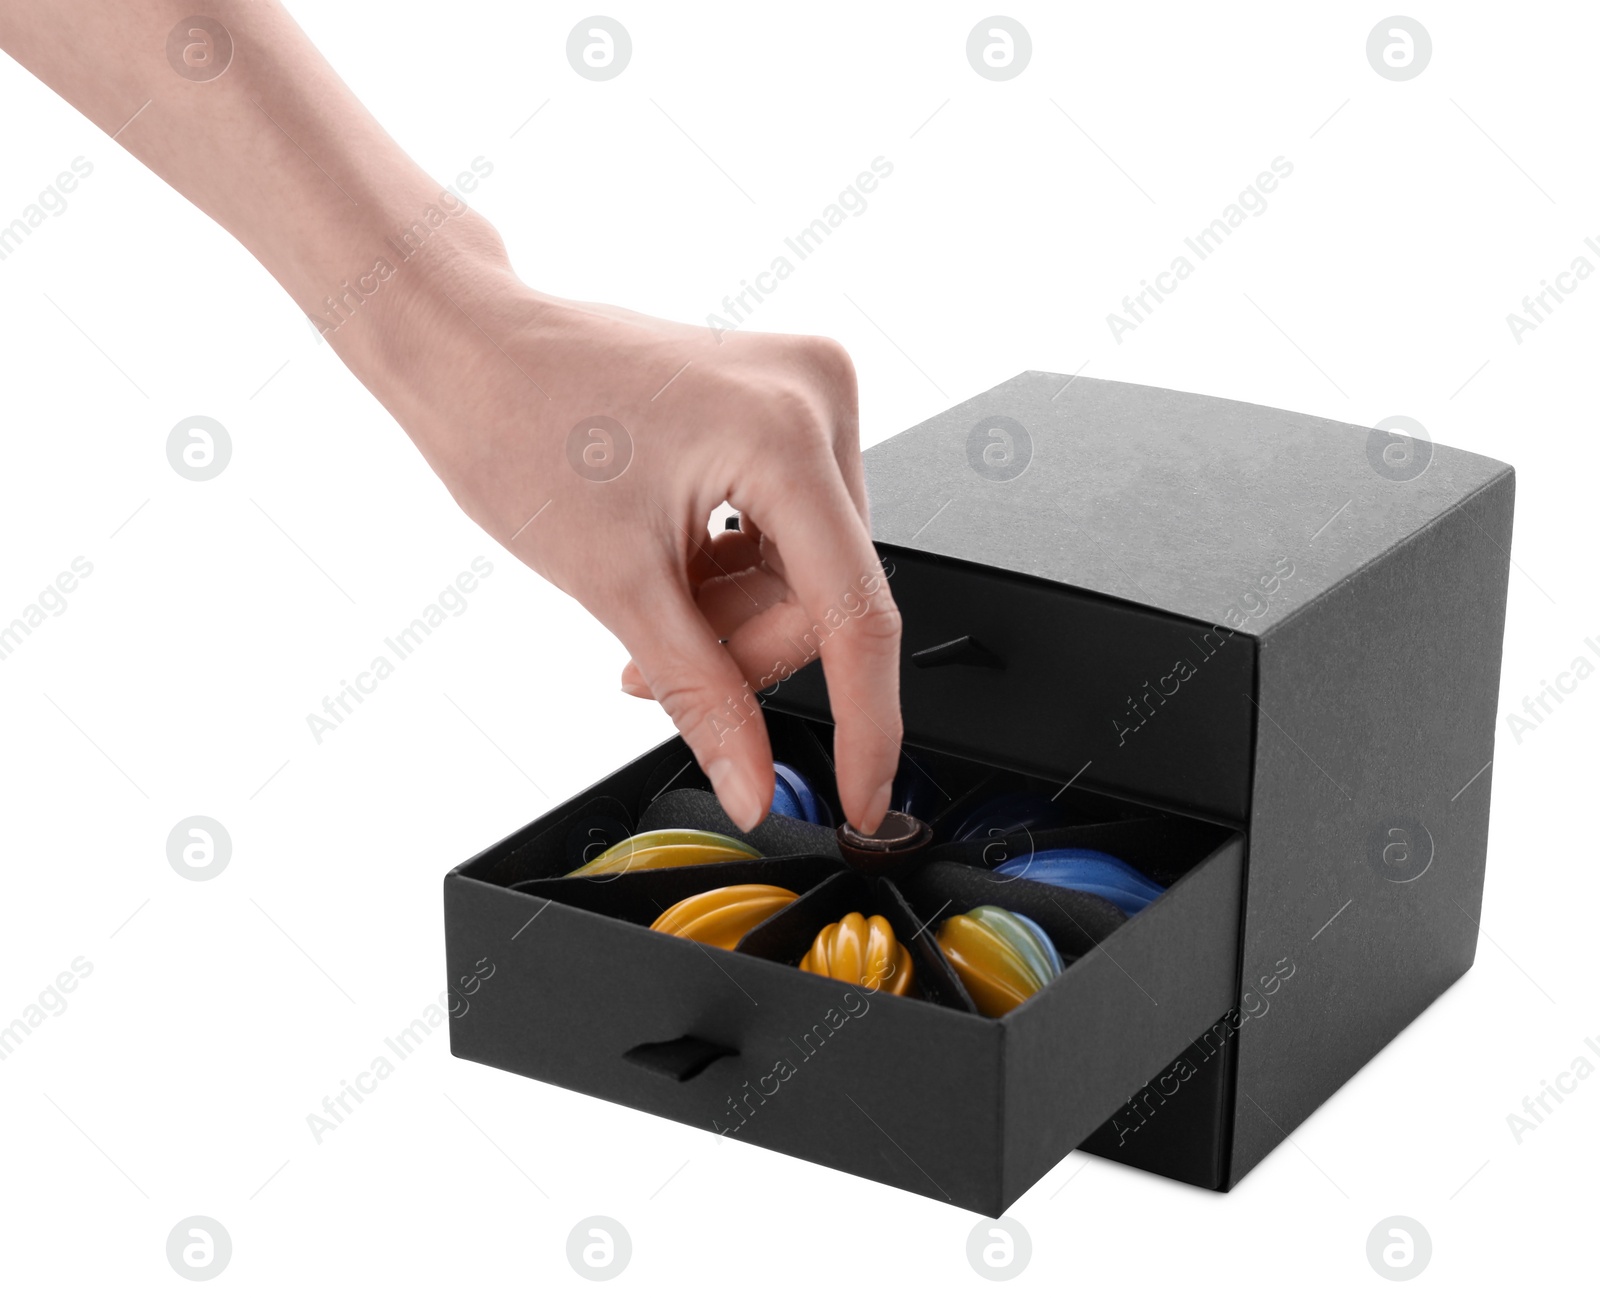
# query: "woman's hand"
{"points": [[594, 443], [512, 396]]}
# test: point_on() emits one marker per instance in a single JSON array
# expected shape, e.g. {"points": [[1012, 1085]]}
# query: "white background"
{"points": [[219, 1014]]}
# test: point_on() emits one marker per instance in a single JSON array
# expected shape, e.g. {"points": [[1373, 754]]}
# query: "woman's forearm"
{"points": [[275, 148]]}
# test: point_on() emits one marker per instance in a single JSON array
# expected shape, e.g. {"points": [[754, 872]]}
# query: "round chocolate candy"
{"points": [[662, 848], [899, 840], [722, 916], [1084, 870], [1002, 958], [864, 952]]}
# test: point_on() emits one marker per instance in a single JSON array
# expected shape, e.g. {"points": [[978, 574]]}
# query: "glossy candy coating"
{"points": [[1001, 957], [722, 916], [793, 796], [914, 793], [1010, 813], [864, 952], [662, 848], [1086, 871]]}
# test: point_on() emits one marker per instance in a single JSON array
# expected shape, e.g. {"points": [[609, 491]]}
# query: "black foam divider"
{"points": [[561, 848], [1161, 847], [1074, 921], [641, 895], [774, 836], [788, 935]]}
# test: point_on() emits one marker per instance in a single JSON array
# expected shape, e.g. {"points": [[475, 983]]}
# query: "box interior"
{"points": [[958, 873]]}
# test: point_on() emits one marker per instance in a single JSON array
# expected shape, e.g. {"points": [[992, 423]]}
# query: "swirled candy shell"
{"points": [[1010, 813], [1086, 871], [864, 952], [914, 793], [793, 796], [722, 916], [1002, 958], [662, 848]]}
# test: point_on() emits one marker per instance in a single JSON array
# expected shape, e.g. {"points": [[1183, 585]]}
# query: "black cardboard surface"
{"points": [[1168, 500]]}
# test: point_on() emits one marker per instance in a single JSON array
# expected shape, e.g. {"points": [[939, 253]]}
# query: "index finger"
{"points": [[835, 573]]}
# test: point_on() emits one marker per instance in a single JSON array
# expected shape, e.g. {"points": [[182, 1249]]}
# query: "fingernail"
{"points": [[735, 792], [877, 805], [637, 691]]}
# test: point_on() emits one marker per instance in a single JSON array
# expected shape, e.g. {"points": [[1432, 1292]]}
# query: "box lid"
{"points": [[1170, 500]]}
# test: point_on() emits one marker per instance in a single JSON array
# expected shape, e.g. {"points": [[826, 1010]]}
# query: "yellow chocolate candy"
{"points": [[1001, 958], [663, 848], [862, 951], [722, 916]]}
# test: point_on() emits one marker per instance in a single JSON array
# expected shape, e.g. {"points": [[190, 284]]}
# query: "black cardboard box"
{"points": [[1256, 654]]}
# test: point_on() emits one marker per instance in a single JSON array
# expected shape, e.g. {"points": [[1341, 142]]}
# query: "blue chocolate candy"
{"points": [[1010, 813], [793, 796], [1084, 870], [914, 793]]}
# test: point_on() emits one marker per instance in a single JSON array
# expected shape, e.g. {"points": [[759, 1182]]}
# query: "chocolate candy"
{"points": [[793, 796], [900, 841], [1001, 957], [1086, 871], [662, 848], [722, 916], [862, 951]]}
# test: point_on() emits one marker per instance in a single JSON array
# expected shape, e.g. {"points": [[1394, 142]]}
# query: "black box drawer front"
{"points": [[898, 1090], [1065, 683]]}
